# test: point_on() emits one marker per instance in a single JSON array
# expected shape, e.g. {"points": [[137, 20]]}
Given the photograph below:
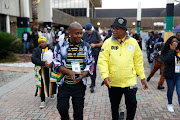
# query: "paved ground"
{"points": [[20, 103], [6, 76]]}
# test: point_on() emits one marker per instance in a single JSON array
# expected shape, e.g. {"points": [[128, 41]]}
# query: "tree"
{"points": [[35, 13]]}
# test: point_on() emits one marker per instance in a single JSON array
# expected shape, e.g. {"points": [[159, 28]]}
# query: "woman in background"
{"points": [[171, 58], [45, 88]]}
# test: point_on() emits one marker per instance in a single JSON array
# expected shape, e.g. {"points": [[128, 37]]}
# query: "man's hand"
{"points": [[72, 75], [93, 45], [144, 84], [138, 40], [107, 81], [84, 74]]}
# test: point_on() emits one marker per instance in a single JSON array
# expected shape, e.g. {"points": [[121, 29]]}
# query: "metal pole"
{"points": [[139, 17], [169, 19]]}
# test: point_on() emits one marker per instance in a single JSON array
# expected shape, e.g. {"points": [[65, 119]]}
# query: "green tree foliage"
{"points": [[6, 41]]}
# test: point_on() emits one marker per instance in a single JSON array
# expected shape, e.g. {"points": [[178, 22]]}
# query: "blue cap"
{"points": [[88, 26], [109, 31]]}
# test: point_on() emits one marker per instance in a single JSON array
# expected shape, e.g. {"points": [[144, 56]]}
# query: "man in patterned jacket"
{"points": [[73, 58]]}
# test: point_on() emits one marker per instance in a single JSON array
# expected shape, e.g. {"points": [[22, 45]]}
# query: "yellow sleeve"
{"points": [[103, 60], [138, 61]]}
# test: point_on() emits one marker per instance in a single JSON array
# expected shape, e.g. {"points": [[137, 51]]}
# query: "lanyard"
{"points": [[89, 36], [76, 52]]}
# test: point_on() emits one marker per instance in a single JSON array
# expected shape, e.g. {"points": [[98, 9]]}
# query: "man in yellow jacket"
{"points": [[120, 60]]}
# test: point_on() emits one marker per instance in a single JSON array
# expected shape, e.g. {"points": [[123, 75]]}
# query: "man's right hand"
{"points": [[72, 75], [107, 81]]}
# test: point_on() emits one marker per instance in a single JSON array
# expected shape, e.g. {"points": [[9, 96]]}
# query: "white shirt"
{"points": [[49, 37], [25, 36], [61, 37]]}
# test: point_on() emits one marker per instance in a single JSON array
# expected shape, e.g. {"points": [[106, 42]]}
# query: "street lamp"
{"points": [[98, 23], [133, 23]]}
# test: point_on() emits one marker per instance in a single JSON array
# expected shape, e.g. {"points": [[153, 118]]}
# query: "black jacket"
{"points": [[28, 37], [169, 61], [36, 56]]}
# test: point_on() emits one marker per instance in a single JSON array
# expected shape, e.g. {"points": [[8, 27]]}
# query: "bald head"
{"points": [[75, 25], [75, 31]]}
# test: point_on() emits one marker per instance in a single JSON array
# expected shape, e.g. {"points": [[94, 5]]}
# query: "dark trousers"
{"points": [[77, 92], [115, 95], [93, 77]]}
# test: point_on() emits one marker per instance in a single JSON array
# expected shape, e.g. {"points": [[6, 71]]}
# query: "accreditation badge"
{"points": [[130, 47], [177, 65], [76, 67]]}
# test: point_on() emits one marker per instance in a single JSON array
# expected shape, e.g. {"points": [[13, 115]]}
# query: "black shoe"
{"points": [[92, 89], [121, 115], [148, 79], [91, 86], [160, 87]]}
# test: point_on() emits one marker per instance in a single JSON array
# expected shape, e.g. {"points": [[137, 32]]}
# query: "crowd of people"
{"points": [[66, 57]]}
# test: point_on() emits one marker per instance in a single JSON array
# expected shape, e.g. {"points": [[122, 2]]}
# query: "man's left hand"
{"points": [[93, 45], [144, 84], [84, 74]]}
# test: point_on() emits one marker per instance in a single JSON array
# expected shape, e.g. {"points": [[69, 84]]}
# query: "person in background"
{"points": [[158, 64], [57, 35], [44, 34], [150, 50], [50, 36], [146, 39], [120, 61], [26, 38], [160, 35], [45, 87], [158, 38], [103, 35], [109, 35], [62, 36], [137, 37], [171, 59], [178, 36], [35, 36], [93, 38]]}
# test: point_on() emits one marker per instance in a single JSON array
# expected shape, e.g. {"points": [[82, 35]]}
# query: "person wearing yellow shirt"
{"points": [[120, 60]]}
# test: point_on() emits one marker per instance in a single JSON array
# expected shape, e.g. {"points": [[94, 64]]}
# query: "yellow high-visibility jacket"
{"points": [[121, 62]]}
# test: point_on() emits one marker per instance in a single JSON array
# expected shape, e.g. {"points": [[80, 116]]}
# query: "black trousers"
{"points": [[77, 92], [93, 77], [115, 95]]}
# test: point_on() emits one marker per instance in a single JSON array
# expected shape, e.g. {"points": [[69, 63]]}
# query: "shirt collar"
{"points": [[122, 40]]}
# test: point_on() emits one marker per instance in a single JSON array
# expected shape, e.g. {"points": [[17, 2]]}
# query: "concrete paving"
{"points": [[19, 102]]}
